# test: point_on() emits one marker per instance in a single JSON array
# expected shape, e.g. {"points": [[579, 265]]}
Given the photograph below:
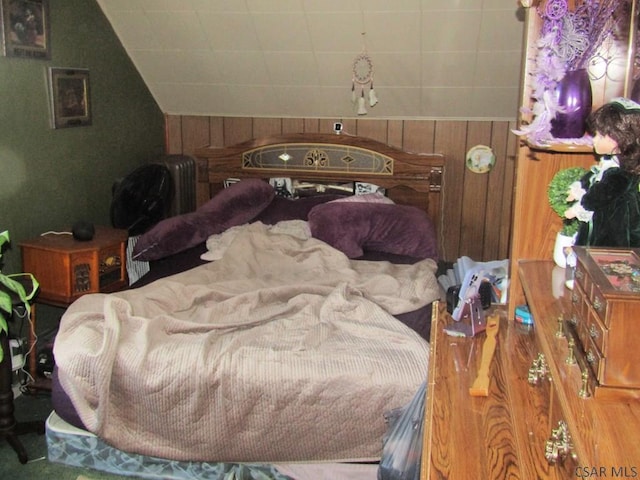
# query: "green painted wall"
{"points": [[50, 178]]}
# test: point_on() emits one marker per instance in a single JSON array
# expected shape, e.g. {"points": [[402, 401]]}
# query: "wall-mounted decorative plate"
{"points": [[480, 159]]}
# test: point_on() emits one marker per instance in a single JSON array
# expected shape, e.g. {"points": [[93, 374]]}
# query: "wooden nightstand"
{"points": [[67, 269]]}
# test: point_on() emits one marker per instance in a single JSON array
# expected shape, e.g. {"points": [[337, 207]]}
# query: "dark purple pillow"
{"points": [[282, 208], [236, 205], [353, 227]]}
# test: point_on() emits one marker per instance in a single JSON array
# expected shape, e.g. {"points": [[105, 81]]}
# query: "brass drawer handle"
{"points": [[598, 305], [579, 274], [593, 332], [591, 357], [584, 385], [574, 320], [560, 330], [571, 357], [559, 446], [538, 370]]}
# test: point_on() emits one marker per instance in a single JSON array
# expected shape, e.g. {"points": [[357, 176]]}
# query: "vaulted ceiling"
{"points": [[457, 59]]}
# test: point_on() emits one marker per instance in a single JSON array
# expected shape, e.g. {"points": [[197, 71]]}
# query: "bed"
{"points": [[278, 325]]}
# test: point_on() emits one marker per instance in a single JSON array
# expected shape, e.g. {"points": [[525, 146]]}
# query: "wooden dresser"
{"points": [[539, 420]]}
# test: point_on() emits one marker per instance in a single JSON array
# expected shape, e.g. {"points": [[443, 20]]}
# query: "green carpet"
{"points": [[37, 408]]}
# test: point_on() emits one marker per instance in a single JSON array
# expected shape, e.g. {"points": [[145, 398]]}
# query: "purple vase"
{"points": [[575, 99]]}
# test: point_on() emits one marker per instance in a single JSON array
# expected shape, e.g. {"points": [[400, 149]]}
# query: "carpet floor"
{"points": [[30, 408]]}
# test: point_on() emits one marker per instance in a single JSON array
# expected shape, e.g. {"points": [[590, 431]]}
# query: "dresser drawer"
{"points": [[590, 329], [594, 358], [579, 305], [582, 278], [599, 304]]}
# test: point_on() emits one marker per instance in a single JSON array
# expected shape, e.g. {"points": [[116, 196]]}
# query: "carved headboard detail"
{"points": [[409, 178]]}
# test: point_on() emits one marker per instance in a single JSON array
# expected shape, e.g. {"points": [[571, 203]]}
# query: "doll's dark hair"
{"points": [[623, 125]]}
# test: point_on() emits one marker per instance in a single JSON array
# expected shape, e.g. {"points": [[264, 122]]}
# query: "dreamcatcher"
{"points": [[362, 76]]}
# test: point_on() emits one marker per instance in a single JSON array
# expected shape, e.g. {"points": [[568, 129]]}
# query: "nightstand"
{"points": [[67, 268]]}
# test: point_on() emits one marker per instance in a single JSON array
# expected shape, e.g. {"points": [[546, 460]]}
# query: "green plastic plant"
{"points": [[558, 190], [12, 286]]}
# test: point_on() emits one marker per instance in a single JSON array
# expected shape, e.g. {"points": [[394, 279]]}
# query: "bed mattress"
{"points": [[282, 351]]}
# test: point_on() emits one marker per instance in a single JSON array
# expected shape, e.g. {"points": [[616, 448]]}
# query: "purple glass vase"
{"points": [[574, 99]]}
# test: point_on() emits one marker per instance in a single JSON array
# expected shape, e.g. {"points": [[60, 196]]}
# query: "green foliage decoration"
{"points": [[558, 190], [12, 286]]}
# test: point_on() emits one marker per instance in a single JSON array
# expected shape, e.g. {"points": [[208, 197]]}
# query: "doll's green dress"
{"points": [[615, 203]]}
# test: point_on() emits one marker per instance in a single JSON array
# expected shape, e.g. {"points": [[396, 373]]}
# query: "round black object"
{"points": [[142, 198], [83, 231]]}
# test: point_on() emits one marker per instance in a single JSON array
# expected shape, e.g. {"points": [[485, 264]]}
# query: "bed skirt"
{"points": [[72, 446], [75, 447]]}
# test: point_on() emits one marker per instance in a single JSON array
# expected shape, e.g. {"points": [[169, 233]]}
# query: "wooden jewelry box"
{"points": [[605, 313]]}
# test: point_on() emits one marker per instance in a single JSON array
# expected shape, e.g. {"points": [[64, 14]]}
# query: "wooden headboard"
{"points": [[409, 178]]}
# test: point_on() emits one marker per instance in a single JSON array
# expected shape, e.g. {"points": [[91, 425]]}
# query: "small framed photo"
{"points": [[25, 28], [70, 97]]}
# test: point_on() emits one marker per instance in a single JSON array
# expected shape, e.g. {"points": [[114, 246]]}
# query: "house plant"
{"points": [[557, 192], [19, 286]]}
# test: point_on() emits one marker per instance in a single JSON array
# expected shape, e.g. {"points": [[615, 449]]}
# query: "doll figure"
{"points": [[607, 200]]}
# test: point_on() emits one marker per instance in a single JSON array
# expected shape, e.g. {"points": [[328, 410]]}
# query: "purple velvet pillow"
{"points": [[236, 205], [353, 227], [282, 208]]}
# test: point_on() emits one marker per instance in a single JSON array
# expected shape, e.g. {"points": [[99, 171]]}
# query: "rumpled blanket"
{"points": [[283, 350]]}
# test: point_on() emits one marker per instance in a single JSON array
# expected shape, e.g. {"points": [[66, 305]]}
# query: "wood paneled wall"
{"points": [[476, 217]]}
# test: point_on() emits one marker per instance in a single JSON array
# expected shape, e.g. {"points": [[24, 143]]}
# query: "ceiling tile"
{"points": [[332, 6], [219, 6], [454, 4], [254, 98], [499, 29], [177, 66], [277, 6], [498, 70], [395, 102], [283, 31], [229, 31], [185, 99], [242, 68], [335, 69], [396, 69], [448, 69], [291, 68], [402, 34], [446, 102], [177, 30], [450, 30], [335, 32]]}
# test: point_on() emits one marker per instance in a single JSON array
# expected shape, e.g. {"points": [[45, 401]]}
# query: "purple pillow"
{"points": [[282, 208], [353, 227], [235, 205]]}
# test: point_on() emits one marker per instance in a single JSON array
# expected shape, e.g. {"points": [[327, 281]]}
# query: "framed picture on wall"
{"points": [[25, 28], [70, 97]]}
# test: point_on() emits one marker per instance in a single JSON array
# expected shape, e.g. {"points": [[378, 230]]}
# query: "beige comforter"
{"points": [[283, 350]]}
